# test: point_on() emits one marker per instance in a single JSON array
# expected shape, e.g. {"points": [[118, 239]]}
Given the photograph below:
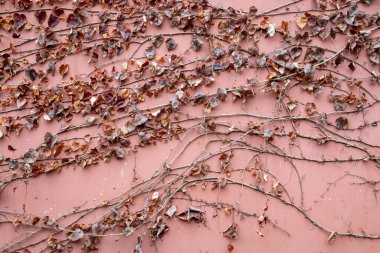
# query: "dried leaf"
{"points": [[50, 140], [301, 22], [20, 102], [171, 44], [19, 20], [10, 148], [157, 40], [231, 232], [30, 156], [149, 53], [192, 214], [76, 235], [31, 74], [341, 123], [196, 44], [170, 212], [64, 69], [119, 153], [40, 15], [271, 30], [55, 16]]}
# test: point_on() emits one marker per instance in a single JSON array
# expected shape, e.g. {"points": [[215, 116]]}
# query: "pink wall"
{"points": [[329, 195]]}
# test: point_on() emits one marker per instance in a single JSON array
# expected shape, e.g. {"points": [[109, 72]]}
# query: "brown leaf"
{"points": [[73, 20], [64, 69], [192, 214], [50, 139], [10, 148], [19, 21], [171, 44], [341, 123], [30, 156], [31, 74], [125, 33], [40, 15], [301, 22], [55, 16], [231, 232], [35, 220], [119, 153], [76, 235]]}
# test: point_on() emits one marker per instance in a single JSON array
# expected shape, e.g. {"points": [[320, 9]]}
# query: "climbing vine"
{"points": [[199, 80]]}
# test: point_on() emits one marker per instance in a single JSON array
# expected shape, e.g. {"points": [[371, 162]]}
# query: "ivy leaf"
{"points": [[157, 40], [31, 74], [119, 153], [11, 148], [301, 22], [40, 15], [76, 235], [30, 156], [196, 44], [171, 44], [55, 16], [125, 33], [20, 102], [149, 53], [341, 123], [231, 232], [218, 52], [19, 21], [50, 139], [64, 69], [192, 214], [73, 20]]}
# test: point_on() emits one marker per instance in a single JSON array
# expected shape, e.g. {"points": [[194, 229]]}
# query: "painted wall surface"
{"points": [[329, 194]]}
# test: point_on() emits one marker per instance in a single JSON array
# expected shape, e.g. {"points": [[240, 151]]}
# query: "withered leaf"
{"points": [[119, 153], [140, 119], [125, 33], [35, 220], [31, 74], [157, 40], [55, 16], [252, 10], [30, 156], [158, 229], [74, 20], [149, 53], [170, 212], [50, 140], [192, 214], [341, 123], [40, 15], [196, 44], [76, 235], [295, 52], [218, 52], [231, 232], [309, 70], [171, 44], [11, 148], [21, 102], [301, 22], [64, 69], [19, 20], [13, 164]]}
